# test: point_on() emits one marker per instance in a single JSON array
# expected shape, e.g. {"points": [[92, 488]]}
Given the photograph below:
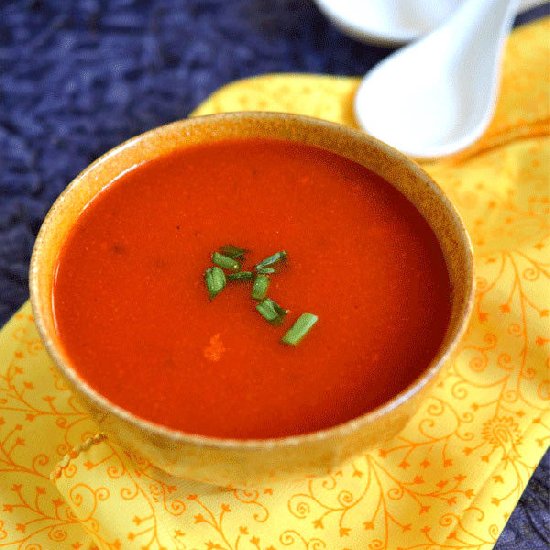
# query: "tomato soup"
{"points": [[134, 316]]}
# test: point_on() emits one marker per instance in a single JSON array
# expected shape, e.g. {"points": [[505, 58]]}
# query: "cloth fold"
{"points": [[449, 480]]}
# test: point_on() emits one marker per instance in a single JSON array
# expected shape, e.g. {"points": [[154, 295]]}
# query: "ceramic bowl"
{"points": [[247, 462]]}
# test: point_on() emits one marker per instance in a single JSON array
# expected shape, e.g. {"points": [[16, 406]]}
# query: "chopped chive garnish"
{"points": [[299, 329], [215, 281], [233, 251], [259, 288], [240, 276], [265, 270], [225, 261], [230, 257], [270, 260], [271, 311]]}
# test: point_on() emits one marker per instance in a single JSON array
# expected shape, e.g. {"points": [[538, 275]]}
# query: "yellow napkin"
{"points": [[450, 480]]}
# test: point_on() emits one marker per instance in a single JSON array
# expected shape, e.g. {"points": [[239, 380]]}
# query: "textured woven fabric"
{"points": [[78, 77]]}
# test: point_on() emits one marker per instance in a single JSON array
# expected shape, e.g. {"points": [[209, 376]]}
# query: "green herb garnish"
{"points": [[299, 329], [215, 281], [240, 276], [260, 286], [234, 252], [271, 260], [271, 311], [230, 258], [226, 262]]}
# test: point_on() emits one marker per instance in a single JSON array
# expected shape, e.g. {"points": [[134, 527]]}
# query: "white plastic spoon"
{"points": [[394, 22], [437, 96]]}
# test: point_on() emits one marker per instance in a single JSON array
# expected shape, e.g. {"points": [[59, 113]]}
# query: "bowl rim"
{"points": [[344, 429]]}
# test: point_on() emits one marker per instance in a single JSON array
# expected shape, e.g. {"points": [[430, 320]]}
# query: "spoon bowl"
{"points": [[437, 96]]}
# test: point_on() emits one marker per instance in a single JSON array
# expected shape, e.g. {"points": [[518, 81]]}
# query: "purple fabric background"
{"points": [[78, 77]]}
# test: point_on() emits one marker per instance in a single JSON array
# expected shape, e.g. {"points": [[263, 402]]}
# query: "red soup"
{"points": [[133, 312]]}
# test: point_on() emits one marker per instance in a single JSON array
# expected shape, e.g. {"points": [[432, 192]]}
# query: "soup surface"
{"points": [[133, 312]]}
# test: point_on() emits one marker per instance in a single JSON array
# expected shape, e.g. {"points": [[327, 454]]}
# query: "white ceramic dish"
{"points": [[393, 22]]}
